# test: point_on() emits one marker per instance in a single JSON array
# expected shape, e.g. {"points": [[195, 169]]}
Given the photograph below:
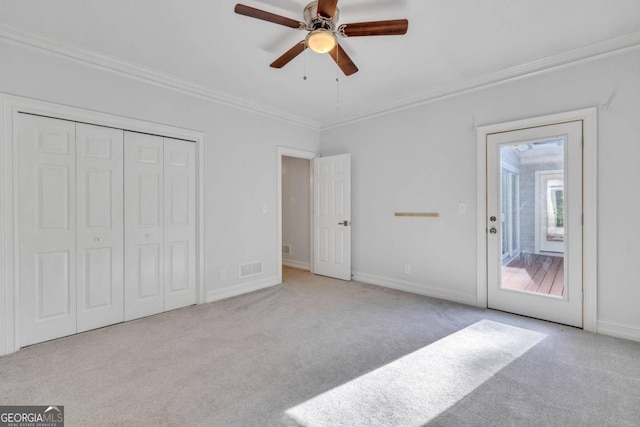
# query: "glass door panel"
{"points": [[532, 217]]}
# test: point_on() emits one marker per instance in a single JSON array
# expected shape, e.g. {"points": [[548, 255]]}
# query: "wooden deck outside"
{"points": [[542, 274]]}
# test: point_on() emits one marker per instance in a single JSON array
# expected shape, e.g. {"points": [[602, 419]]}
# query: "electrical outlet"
{"points": [[407, 269], [223, 274]]}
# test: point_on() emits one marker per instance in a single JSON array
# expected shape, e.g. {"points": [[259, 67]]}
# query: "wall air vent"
{"points": [[250, 269], [286, 249]]}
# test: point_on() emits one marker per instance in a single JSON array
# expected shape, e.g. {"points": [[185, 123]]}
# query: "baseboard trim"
{"points": [[416, 288], [296, 264], [243, 288], [619, 330]]}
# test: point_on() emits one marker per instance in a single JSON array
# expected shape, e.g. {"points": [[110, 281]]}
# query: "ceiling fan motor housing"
{"points": [[316, 22]]}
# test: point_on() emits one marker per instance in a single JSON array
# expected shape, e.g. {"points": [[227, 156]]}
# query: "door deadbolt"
{"points": [[492, 219]]}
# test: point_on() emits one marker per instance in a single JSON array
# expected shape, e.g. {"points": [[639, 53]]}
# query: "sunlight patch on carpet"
{"points": [[418, 387]]}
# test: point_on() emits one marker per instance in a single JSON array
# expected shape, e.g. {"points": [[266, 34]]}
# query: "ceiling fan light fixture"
{"points": [[321, 41]]}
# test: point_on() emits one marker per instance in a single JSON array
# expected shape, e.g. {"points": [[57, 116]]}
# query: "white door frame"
{"points": [[589, 251], [300, 154], [10, 107]]}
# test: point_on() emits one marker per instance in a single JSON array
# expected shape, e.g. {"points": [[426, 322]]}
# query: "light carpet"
{"points": [[246, 361], [418, 387]]}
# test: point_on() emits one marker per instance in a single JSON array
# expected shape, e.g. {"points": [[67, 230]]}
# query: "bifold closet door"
{"points": [[144, 239], [71, 227], [47, 228], [100, 227], [179, 223], [160, 241], [106, 226]]}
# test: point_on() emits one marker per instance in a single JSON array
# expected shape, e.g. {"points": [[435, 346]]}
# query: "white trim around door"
{"points": [[589, 119], [10, 107]]}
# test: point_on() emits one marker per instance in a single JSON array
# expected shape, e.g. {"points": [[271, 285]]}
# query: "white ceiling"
{"points": [[204, 47]]}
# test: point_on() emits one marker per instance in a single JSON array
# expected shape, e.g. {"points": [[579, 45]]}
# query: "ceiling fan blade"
{"points": [[395, 27], [327, 8], [252, 12], [289, 55], [356, 7], [342, 59]]}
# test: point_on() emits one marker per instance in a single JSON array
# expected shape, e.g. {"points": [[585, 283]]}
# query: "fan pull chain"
{"points": [[304, 60], [337, 94]]}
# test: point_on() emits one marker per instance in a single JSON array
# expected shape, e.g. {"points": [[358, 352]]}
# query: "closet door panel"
{"points": [[179, 223], [100, 226], [144, 218], [46, 233]]}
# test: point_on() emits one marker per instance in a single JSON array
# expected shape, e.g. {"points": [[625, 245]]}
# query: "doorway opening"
{"points": [[296, 213], [329, 184], [294, 201]]}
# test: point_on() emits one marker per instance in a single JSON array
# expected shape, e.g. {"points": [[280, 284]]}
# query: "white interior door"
{"points": [[47, 228], [143, 213], [332, 216], [179, 223], [545, 286], [100, 228]]}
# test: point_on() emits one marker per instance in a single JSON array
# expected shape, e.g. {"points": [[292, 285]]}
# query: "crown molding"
{"points": [[22, 36], [595, 51], [599, 50]]}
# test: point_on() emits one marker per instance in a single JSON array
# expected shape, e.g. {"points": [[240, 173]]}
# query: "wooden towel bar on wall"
{"points": [[419, 214]]}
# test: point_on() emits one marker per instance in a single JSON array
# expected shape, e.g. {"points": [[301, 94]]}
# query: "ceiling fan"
{"points": [[320, 20]]}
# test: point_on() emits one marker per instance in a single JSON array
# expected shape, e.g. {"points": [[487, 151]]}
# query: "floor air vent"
{"points": [[250, 269]]}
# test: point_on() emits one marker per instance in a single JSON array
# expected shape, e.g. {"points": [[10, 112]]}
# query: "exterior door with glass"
{"points": [[534, 222]]}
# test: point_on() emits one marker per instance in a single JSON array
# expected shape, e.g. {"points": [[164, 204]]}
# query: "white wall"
{"points": [[419, 159], [296, 211], [241, 152], [424, 159]]}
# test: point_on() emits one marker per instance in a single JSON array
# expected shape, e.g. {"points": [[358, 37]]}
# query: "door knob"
{"points": [[345, 223], [493, 230]]}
